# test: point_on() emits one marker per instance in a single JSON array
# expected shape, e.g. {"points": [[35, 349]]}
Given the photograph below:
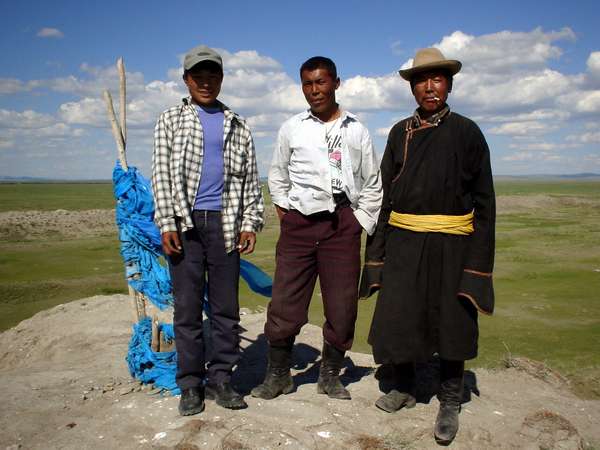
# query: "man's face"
{"points": [[319, 91], [430, 90], [204, 86]]}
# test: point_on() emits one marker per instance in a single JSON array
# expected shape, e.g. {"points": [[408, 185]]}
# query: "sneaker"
{"points": [[225, 396], [191, 401]]}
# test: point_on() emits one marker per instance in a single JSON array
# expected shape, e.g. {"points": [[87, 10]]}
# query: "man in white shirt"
{"points": [[325, 184]]}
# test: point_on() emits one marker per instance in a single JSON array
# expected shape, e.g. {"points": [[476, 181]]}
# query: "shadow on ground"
{"points": [[250, 372]]}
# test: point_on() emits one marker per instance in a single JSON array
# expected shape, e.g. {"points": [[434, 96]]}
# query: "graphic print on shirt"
{"points": [[333, 138]]}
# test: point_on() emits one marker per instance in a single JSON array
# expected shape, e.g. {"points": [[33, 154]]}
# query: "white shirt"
{"points": [[300, 176]]}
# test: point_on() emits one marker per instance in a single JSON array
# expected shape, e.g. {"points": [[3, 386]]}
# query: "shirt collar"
{"points": [[435, 119], [344, 115], [229, 114]]}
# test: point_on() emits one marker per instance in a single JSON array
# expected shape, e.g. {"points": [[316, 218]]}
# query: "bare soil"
{"points": [[64, 384], [33, 225]]}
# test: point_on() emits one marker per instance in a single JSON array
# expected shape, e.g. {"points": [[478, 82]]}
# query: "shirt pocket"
{"points": [[354, 147], [235, 158]]}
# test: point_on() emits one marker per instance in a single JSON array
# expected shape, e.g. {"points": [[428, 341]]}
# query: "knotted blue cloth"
{"points": [[140, 237], [141, 250]]}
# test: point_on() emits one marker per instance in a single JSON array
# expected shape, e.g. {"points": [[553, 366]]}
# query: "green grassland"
{"points": [[547, 273]]}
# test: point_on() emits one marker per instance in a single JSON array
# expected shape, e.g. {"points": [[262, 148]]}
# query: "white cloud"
{"points": [[488, 92], [522, 128], [592, 137], [545, 146], [506, 84], [535, 115], [593, 64], [387, 92], [88, 111], [265, 124], [533, 157], [587, 102], [248, 60], [27, 119], [50, 33], [505, 51], [14, 86]]}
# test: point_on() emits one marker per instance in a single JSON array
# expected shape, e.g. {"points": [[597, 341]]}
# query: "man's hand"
{"points": [[170, 243], [246, 242], [280, 212]]}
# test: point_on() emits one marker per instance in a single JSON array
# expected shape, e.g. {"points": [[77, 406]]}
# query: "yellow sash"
{"points": [[433, 223]]}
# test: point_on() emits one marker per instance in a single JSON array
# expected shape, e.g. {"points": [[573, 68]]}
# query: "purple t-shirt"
{"points": [[210, 189]]}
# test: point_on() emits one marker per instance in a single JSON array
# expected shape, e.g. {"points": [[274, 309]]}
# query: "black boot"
{"points": [[224, 395], [403, 394], [450, 396], [278, 379], [329, 382], [191, 401]]}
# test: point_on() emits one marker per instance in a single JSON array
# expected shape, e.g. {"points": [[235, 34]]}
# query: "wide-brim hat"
{"points": [[428, 59], [199, 54]]}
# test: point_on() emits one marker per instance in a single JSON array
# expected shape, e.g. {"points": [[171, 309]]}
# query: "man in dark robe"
{"points": [[433, 251]]}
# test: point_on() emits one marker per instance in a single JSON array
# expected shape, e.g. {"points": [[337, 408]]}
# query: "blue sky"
{"points": [[531, 73]]}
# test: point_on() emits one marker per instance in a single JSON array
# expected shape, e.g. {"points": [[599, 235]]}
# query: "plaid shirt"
{"points": [[176, 168]]}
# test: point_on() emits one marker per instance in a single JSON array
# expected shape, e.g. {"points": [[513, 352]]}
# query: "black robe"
{"points": [[432, 284]]}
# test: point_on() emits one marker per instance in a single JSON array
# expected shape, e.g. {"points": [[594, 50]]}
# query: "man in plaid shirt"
{"points": [[209, 207]]}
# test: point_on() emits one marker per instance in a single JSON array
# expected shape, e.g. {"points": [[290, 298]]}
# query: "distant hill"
{"points": [[263, 180], [574, 176], [4, 179], [7, 180]]}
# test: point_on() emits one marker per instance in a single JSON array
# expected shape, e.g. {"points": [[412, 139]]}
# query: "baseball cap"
{"points": [[199, 54]]}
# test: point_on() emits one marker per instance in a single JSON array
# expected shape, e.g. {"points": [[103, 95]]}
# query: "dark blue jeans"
{"points": [[204, 261]]}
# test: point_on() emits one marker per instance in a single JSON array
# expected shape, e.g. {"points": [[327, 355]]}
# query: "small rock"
{"points": [[126, 390]]}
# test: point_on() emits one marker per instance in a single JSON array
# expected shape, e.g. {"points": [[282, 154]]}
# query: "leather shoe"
{"points": [[225, 396], [191, 401]]}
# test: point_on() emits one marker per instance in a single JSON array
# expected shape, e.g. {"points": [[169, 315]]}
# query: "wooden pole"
{"points": [[155, 342], [122, 100], [119, 131], [136, 310], [116, 129]]}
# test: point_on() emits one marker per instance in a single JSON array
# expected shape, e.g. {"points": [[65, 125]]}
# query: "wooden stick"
{"points": [[141, 303], [155, 345], [136, 310], [122, 101], [117, 134]]}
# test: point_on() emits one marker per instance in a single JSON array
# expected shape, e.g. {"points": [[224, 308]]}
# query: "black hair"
{"points": [[319, 62], [444, 72], [211, 66]]}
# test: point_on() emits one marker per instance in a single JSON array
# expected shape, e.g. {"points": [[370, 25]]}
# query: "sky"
{"points": [[530, 77]]}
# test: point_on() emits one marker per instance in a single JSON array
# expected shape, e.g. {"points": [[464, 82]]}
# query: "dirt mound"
{"points": [[512, 204], [30, 225], [64, 384]]}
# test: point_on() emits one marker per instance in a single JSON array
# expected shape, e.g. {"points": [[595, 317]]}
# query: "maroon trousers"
{"points": [[324, 244]]}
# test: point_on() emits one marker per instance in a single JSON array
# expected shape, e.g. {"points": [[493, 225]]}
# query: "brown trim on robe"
{"points": [[472, 300], [482, 274], [374, 263]]}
